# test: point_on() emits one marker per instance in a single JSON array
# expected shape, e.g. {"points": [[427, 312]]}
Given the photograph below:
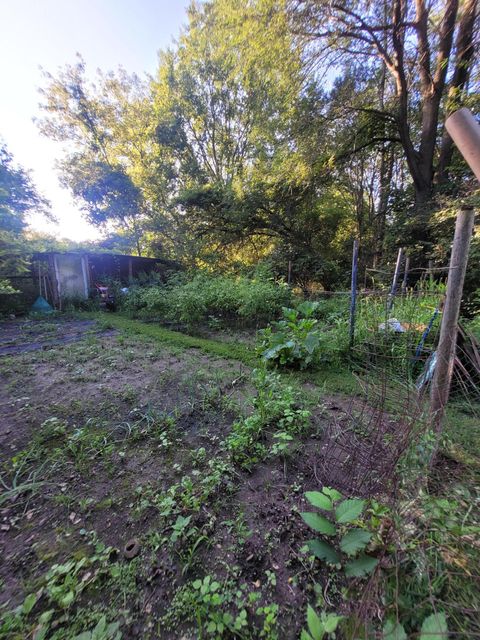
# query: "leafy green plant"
{"points": [[179, 527], [434, 627], [282, 443], [294, 340], [102, 631], [64, 582], [348, 541], [59, 590], [215, 607], [270, 619], [320, 625], [437, 562], [214, 300], [274, 407]]}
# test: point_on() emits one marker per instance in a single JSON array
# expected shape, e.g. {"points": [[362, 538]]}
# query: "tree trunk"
{"points": [[432, 84], [386, 173], [386, 169], [464, 54], [432, 88]]}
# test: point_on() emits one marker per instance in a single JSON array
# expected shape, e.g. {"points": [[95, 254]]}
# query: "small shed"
{"points": [[74, 274]]}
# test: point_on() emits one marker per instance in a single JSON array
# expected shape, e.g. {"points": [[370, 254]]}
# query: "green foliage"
{"points": [[47, 611], [102, 631], [393, 630], [203, 298], [294, 340], [434, 627], [436, 563], [216, 608], [474, 324], [18, 197], [350, 541], [6, 287], [321, 625], [274, 410], [282, 443]]}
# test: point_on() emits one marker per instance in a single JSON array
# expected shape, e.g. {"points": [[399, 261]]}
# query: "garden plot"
{"points": [[134, 499]]}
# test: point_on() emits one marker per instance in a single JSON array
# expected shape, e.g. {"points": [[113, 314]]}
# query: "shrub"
{"points": [[205, 298], [331, 309], [294, 339], [474, 326]]}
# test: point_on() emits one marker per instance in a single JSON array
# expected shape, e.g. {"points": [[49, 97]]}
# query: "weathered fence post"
{"points": [[405, 275], [393, 289], [289, 273], [353, 292], [448, 331]]}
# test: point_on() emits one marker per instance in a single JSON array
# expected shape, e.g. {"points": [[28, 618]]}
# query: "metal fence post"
{"points": [[353, 292]]}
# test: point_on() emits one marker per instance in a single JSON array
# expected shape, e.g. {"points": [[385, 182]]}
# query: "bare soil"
{"points": [[136, 422]]}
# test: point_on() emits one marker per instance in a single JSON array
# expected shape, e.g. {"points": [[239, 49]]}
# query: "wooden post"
{"points": [[289, 275], [353, 293], [430, 271], [448, 332], [393, 288]]}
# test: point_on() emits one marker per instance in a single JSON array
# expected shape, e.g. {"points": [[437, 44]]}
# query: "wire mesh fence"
{"points": [[381, 443]]}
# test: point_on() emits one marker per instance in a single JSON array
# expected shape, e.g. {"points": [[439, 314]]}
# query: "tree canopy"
{"points": [[18, 197], [279, 130]]}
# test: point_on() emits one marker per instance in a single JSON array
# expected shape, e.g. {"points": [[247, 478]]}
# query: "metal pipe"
{"points": [[353, 292]]}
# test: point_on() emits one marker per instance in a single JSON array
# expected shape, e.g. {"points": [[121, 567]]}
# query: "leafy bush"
{"points": [[293, 340], [220, 299], [78, 303], [333, 308]]}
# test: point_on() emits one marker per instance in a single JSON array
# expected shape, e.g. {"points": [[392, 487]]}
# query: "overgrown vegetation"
{"points": [[199, 483], [162, 483], [210, 300]]}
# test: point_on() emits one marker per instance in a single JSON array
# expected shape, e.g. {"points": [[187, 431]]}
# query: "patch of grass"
{"points": [[229, 351], [331, 379], [463, 433]]}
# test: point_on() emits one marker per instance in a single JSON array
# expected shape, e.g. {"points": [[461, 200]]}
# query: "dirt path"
{"points": [[21, 336]]}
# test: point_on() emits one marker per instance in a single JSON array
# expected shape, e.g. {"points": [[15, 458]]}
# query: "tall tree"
{"points": [[465, 50], [414, 42], [18, 197], [108, 163]]}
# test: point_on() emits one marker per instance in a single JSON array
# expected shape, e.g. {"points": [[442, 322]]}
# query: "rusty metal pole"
{"points": [[448, 332]]}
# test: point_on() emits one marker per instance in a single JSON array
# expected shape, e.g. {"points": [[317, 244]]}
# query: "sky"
{"points": [[48, 34]]}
